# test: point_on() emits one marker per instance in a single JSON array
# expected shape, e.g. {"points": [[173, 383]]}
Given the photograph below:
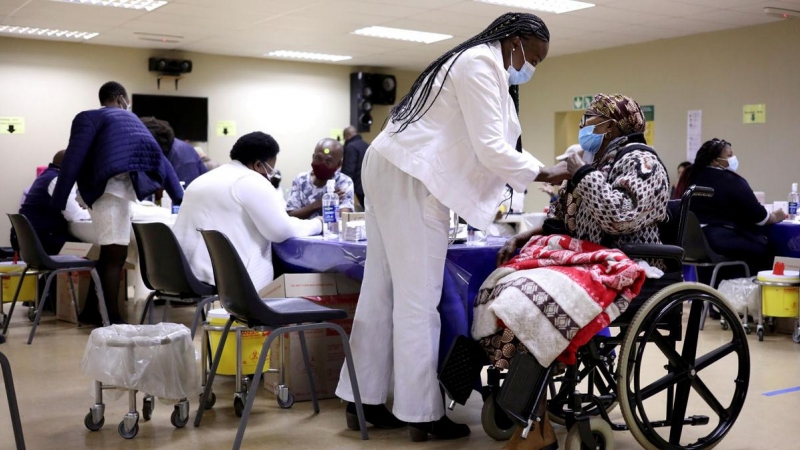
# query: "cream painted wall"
{"points": [[49, 82], [717, 73]]}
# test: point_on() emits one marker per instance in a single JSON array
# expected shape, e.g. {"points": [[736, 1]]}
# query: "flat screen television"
{"points": [[188, 116]]}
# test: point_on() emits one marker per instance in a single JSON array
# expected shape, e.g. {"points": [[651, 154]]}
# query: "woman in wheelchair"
{"points": [[618, 194], [587, 274]]}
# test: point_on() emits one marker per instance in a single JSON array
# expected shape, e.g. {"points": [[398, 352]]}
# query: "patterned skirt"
{"points": [[502, 347]]}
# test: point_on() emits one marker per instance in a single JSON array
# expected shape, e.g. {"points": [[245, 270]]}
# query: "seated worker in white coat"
{"points": [[450, 144], [239, 200]]}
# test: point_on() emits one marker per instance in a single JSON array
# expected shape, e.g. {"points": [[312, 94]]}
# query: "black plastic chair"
{"points": [[277, 315], [698, 253], [166, 272], [36, 259], [11, 395]]}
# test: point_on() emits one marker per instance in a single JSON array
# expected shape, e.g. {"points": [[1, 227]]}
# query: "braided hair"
{"points": [[709, 151], [412, 106]]}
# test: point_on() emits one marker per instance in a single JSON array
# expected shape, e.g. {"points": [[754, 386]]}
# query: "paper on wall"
{"points": [[694, 133]]}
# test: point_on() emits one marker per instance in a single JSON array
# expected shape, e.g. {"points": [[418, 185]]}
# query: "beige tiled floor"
{"points": [[54, 397]]}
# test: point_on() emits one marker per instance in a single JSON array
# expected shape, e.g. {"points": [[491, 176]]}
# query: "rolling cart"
{"points": [[779, 298], [156, 359]]}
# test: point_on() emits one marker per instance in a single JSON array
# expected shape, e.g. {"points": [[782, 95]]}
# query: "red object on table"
{"points": [[778, 269]]}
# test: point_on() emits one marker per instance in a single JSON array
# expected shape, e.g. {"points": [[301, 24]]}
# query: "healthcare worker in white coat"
{"points": [[449, 145]]}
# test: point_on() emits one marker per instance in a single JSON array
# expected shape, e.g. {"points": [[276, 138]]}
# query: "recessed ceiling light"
{"points": [[402, 35], [551, 6], [307, 55], [147, 5], [47, 32]]}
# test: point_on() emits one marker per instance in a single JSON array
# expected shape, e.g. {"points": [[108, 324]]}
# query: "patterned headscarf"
{"points": [[629, 116]]}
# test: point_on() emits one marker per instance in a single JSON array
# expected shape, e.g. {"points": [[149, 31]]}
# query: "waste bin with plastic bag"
{"points": [[744, 295], [158, 360]]}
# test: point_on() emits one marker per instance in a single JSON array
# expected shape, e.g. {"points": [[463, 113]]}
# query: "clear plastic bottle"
{"points": [[475, 236], [330, 212], [794, 199], [166, 201]]}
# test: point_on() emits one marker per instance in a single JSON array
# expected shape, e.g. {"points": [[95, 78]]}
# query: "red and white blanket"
{"points": [[556, 294]]}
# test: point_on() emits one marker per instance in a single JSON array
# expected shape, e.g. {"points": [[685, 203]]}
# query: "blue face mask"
{"points": [[590, 142], [522, 76]]}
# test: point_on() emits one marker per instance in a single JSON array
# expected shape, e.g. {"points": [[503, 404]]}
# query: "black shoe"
{"points": [[377, 415], [443, 428]]}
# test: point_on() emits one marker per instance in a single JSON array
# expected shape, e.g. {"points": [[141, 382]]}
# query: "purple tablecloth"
{"points": [[785, 239], [465, 270]]}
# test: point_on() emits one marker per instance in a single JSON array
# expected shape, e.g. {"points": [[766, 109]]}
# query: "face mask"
{"points": [[589, 141], [270, 172], [522, 76], [323, 172], [733, 163], [128, 106]]}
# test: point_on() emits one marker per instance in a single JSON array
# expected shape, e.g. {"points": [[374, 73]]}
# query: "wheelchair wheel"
{"points": [[662, 362], [601, 432], [495, 422], [590, 377]]}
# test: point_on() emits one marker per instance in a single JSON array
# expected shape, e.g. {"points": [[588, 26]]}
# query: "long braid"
{"points": [[412, 106]]}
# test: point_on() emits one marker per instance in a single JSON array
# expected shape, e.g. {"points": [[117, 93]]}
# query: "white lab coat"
{"points": [[458, 156], [244, 206], [464, 148]]}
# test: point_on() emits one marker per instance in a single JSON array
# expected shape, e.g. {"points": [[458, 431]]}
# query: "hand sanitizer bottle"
{"points": [[330, 212], [794, 199]]}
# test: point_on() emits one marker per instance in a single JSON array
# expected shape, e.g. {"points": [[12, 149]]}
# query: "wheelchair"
{"points": [[648, 368]]}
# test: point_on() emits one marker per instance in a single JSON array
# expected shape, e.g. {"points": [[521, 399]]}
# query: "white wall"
{"points": [[49, 82], [717, 73]]}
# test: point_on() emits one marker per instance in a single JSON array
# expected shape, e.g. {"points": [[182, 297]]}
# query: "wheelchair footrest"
{"points": [[523, 387], [461, 369]]}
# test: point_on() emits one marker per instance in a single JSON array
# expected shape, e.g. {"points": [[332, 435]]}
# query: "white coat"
{"points": [[464, 148], [244, 206]]}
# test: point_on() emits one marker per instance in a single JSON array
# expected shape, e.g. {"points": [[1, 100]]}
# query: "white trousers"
{"points": [[396, 326]]}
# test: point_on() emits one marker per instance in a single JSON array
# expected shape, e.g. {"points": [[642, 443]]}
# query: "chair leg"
{"points": [[166, 308], [14, 301], [101, 298], [16, 423], [348, 357], [706, 309], [45, 297], [251, 395], [74, 298], [210, 381], [200, 313], [148, 304], [309, 371]]}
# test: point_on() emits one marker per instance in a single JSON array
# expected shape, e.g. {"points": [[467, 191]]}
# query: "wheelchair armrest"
{"points": [[655, 251]]}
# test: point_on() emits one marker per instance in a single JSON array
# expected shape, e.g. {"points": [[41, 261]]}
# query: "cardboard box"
{"points": [[324, 346], [81, 280], [349, 216]]}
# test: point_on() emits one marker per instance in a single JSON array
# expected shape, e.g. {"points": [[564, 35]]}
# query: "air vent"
{"points": [[782, 13], [156, 37]]}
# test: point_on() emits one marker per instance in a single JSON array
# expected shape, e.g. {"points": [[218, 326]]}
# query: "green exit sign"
{"points": [[582, 101], [649, 112]]}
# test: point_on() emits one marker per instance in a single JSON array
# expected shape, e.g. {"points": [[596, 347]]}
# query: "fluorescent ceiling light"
{"points": [[551, 6], [147, 5], [47, 32], [307, 55], [402, 35]]}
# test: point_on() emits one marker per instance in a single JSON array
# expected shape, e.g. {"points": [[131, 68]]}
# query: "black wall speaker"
{"points": [[366, 90], [170, 66]]}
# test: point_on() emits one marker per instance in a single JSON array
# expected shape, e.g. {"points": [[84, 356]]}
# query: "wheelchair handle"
{"points": [[698, 191]]}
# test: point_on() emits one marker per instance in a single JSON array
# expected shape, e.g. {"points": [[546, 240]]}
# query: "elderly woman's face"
{"points": [[602, 124]]}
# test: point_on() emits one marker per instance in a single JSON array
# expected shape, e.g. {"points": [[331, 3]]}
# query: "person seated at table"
{"points": [[51, 224], [239, 200], [673, 193], [733, 220], [618, 194], [305, 200], [115, 161], [181, 155]]}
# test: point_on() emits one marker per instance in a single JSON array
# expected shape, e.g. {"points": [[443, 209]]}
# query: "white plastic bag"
{"points": [[741, 293], [158, 360]]}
